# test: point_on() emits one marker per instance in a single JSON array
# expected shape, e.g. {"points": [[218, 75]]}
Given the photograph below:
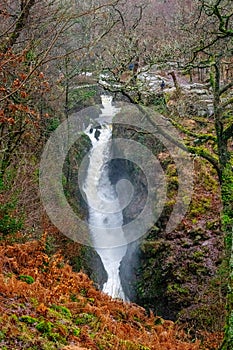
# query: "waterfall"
{"points": [[105, 215]]}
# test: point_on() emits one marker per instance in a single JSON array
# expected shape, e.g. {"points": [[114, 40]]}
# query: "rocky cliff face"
{"points": [[178, 275]]}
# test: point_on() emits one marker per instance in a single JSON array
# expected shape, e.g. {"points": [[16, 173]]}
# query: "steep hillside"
{"points": [[45, 305]]}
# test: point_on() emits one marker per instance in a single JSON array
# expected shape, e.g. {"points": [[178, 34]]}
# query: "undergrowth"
{"points": [[50, 311]]}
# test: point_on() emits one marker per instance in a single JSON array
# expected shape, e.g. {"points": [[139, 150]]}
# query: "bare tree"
{"points": [[34, 35]]}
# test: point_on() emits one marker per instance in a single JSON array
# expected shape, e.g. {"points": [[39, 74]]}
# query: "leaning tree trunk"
{"points": [[227, 221], [226, 184], [175, 81]]}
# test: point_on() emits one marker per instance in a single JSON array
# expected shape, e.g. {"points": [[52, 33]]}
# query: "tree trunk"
{"points": [[176, 84], [226, 184], [227, 222], [20, 24]]}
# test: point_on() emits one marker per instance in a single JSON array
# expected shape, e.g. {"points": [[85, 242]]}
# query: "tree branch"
{"points": [[227, 103], [20, 24], [194, 150], [205, 137], [228, 133], [225, 88]]}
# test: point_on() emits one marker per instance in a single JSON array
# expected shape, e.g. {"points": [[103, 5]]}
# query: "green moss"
{"points": [[173, 183], [158, 321], [206, 317], [169, 206], [22, 306], [25, 333], [34, 302], [83, 292], [73, 297], [50, 244], [171, 170], [91, 300], [174, 288], [212, 224], [27, 279], [62, 310], [129, 345], [198, 255], [85, 318], [197, 268], [56, 337], [105, 342], [14, 317], [48, 345], [120, 315], [55, 314], [2, 335], [77, 331], [182, 275], [151, 248], [186, 243], [200, 206], [28, 319], [44, 326]]}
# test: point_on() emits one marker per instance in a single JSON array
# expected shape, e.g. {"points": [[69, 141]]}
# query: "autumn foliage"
{"points": [[45, 305]]}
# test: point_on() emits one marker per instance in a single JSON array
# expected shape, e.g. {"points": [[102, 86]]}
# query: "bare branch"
{"points": [[225, 88]]}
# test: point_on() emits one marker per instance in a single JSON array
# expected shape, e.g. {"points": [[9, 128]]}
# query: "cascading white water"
{"points": [[105, 215]]}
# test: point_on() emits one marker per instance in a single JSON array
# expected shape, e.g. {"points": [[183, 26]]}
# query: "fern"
{"points": [[92, 320]]}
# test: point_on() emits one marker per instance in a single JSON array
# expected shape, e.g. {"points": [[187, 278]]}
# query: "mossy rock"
{"points": [[28, 319], [64, 311], [26, 278]]}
